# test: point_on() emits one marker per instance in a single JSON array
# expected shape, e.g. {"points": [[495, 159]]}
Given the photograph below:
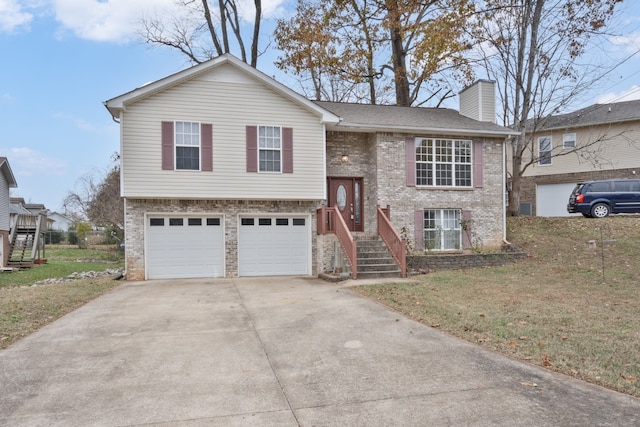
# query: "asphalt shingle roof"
{"points": [[408, 118], [595, 114]]}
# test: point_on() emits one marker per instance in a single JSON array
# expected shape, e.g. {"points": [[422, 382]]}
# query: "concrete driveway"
{"points": [[275, 352]]}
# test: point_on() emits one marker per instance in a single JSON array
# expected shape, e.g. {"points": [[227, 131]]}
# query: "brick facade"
{"points": [[380, 160], [135, 210]]}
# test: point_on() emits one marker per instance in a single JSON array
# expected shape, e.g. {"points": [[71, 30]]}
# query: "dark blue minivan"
{"points": [[598, 199]]}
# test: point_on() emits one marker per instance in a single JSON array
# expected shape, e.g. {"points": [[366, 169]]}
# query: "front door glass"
{"points": [[341, 198]]}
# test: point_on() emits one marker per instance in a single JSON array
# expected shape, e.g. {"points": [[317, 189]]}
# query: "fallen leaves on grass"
{"points": [[630, 379], [546, 361]]}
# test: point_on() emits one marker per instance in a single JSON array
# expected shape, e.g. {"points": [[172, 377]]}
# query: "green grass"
{"points": [[557, 309], [52, 269], [24, 309]]}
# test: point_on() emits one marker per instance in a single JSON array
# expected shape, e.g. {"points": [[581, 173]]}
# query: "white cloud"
{"points": [[631, 94], [629, 42], [29, 162], [79, 122], [118, 20], [13, 17], [106, 20]]}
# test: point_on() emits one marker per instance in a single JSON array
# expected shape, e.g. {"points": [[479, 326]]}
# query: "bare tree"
{"points": [[98, 200], [201, 32], [531, 49]]}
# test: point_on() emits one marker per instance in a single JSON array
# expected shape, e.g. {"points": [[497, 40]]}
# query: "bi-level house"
{"points": [[226, 172], [607, 138]]}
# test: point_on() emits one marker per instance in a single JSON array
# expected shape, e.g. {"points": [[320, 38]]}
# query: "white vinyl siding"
{"points": [[4, 204], [230, 101], [612, 151]]}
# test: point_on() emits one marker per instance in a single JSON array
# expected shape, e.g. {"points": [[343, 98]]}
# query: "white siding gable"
{"points": [[4, 204], [229, 99]]}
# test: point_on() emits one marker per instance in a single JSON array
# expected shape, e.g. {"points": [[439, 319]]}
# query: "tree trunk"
{"points": [[399, 56], [256, 33]]}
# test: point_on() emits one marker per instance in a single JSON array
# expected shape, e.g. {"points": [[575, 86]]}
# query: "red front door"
{"points": [[345, 194]]}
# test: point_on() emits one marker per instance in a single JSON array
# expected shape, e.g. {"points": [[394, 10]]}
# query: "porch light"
{"points": [[344, 158]]}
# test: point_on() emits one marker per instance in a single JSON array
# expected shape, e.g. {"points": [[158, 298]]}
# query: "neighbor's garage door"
{"points": [[552, 199], [272, 246], [184, 246]]}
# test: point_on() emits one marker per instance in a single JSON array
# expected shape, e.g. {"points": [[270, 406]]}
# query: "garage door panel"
{"points": [[193, 249], [552, 199], [274, 246]]}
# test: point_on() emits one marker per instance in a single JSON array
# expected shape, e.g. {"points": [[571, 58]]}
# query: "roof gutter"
{"points": [[356, 127]]}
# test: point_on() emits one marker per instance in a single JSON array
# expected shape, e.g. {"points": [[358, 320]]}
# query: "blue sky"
{"points": [[62, 58]]}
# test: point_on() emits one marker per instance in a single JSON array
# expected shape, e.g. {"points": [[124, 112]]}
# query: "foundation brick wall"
{"points": [[462, 261], [135, 210]]}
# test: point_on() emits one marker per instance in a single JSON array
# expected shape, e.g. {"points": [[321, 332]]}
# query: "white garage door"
{"points": [[184, 246], [552, 199], [274, 245]]}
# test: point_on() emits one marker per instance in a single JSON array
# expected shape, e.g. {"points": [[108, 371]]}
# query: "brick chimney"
{"points": [[478, 101]]}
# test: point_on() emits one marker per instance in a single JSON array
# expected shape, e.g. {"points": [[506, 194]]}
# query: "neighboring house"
{"points": [[225, 172], [60, 221], [7, 181], [611, 135]]}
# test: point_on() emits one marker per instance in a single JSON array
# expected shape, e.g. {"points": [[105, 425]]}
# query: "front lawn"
{"points": [[559, 309], [25, 308]]}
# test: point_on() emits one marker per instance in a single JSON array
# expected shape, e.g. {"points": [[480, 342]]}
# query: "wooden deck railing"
{"points": [[330, 221], [392, 239]]}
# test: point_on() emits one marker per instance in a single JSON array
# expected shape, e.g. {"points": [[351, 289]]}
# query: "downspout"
{"points": [[504, 192]]}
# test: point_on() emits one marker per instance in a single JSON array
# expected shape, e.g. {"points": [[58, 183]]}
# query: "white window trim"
{"points": [[268, 149], [458, 229], [176, 145], [550, 151], [564, 140], [452, 163]]}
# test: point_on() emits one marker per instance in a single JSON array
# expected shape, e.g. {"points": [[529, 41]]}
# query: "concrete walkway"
{"points": [[275, 352]]}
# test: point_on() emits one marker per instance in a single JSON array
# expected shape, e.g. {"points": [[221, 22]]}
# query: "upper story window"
{"points": [[569, 140], [270, 148], [187, 143], [544, 150], [443, 162]]}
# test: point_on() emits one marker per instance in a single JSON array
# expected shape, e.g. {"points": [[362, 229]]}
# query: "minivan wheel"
{"points": [[600, 210]]}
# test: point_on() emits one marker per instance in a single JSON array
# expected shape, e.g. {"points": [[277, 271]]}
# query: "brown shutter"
{"points": [[252, 149], [410, 161], [478, 165], [419, 229], [206, 142], [167, 145], [466, 229], [287, 150]]}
